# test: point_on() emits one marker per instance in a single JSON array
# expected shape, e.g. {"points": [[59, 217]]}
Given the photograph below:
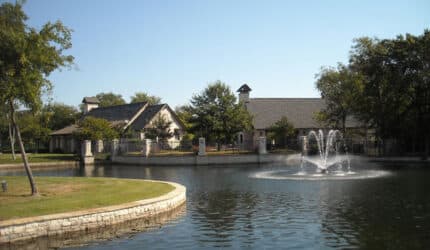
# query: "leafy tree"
{"points": [[281, 131], [144, 97], [338, 87], [110, 99], [387, 86], [34, 128], [60, 115], [160, 129], [91, 128], [216, 116], [27, 58]]}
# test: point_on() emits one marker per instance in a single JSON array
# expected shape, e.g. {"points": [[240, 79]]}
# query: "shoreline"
{"points": [[39, 165], [203, 160], [23, 229]]}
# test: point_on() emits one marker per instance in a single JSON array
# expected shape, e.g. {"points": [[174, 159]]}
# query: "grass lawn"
{"points": [[63, 194], [7, 158]]}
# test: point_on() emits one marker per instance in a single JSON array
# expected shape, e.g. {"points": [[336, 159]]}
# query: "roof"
{"points": [[117, 113], [138, 115], [299, 111], [244, 88], [146, 116], [66, 130], [91, 99]]}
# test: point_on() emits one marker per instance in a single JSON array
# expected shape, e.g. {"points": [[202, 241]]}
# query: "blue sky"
{"points": [[173, 49]]}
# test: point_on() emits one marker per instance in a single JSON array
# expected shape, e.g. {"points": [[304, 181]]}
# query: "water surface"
{"points": [[228, 208]]}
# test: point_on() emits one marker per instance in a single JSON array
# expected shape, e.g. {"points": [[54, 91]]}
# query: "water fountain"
{"points": [[331, 161], [328, 150]]}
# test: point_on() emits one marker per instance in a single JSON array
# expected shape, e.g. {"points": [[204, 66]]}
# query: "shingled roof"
{"points": [[122, 114], [91, 99], [299, 111], [66, 130], [118, 112], [146, 116]]}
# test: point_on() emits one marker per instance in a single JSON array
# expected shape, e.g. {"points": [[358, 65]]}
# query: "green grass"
{"points": [[65, 194], [7, 158]]}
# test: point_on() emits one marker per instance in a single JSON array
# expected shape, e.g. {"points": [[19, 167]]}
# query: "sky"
{"points": [[174, 49]]}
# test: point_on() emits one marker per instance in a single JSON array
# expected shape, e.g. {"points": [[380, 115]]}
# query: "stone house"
{"points": [[133, 118], [267, 111]]}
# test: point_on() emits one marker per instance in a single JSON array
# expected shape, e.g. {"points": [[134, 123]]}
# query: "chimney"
{"points": [[244, 93], [90, 103]]}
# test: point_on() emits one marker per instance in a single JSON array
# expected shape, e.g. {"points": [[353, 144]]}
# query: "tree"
{"points": [[338, 87], [160, 129], [34, 128], [281, 131], [27, 58], [110, 99], [60, 115], [94, 129], [144, 97], [216, 115]]}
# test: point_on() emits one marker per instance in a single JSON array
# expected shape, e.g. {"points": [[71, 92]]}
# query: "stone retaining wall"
{"points": [[57, 224], [200, 160]]}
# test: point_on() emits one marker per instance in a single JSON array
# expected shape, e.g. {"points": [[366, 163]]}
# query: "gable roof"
{"points": [[91, 99], [135, 115], [299, 111], [123, 112], [244, 88], [146, 116], [66, 130]]}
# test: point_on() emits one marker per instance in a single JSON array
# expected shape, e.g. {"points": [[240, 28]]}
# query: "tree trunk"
{"points": [[27, 168], [12, 140]]}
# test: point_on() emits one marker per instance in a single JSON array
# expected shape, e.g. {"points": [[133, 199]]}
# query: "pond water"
{"points": [[228, 207]]}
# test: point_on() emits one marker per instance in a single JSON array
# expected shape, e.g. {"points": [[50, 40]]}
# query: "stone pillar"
{"points": [[114, 148], [262, 145], [51, 144], [99, 146], [202, 146], [86, 155], [72, 145], [304, 141], [147, 147]]}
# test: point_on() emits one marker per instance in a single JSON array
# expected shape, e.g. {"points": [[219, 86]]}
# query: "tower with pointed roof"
{"points": [[244, 93]]}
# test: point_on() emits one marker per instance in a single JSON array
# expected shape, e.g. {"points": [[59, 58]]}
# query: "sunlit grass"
{"points": [[35, 158], [64, 194]]}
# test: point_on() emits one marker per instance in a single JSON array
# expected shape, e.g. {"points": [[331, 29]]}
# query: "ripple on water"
{"points": [[290, 175]]}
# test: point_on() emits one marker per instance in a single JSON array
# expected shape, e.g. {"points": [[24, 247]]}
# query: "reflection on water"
{"points": [[228, 209]]}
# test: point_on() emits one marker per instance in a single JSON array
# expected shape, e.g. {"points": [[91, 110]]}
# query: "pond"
{"points": [[228, 207]]}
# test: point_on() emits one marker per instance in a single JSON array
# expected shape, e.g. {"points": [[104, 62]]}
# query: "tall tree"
{"points": [[59, 115], [281, 131], [144, 97], [338, 87], [110, 99], [216, 115], [27, 58]]}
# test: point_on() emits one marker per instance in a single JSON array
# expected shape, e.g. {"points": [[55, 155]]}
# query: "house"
{"points": [[267, 111], [133, 118]]}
